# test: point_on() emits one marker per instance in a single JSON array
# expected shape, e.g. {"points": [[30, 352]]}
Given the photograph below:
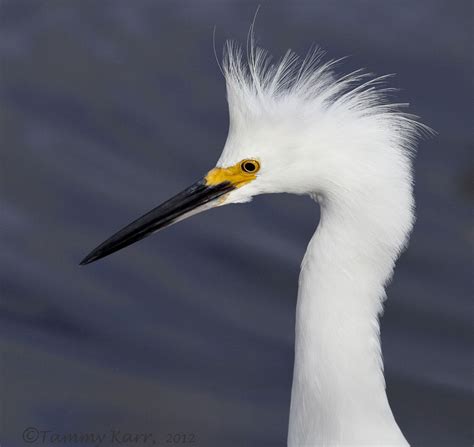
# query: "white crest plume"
{"points": [[258, 86]]}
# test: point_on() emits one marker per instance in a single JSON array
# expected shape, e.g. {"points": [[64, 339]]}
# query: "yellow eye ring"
{"points": [[250, 166]]}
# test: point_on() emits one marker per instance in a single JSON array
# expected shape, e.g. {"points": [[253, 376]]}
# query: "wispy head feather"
{"points": [[256, 84]]}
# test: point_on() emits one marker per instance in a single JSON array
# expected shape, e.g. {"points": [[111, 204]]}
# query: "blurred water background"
{"points": [[108, 108]]}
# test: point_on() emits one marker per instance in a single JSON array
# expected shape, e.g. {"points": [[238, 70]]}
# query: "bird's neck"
{"points": [[338, 394]]}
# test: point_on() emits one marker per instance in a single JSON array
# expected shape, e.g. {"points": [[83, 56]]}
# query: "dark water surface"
{"points": [[110, 107]]}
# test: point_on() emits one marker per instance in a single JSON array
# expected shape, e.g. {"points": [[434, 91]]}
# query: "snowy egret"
{"points": [[296, 127]]}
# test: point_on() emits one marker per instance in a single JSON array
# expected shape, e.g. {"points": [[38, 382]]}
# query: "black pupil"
{"points": [[249, 167]]}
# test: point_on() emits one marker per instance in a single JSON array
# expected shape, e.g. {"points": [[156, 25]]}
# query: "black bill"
{"points": [[188, 202]]}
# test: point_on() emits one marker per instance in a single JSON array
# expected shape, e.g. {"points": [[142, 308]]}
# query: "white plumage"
{"points": [[339, 140]]}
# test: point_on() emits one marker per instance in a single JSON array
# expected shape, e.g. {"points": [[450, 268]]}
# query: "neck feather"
{"points": [[338, 394]]}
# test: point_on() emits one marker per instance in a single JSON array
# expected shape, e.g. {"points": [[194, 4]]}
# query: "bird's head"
{"points": [[294, 127]]}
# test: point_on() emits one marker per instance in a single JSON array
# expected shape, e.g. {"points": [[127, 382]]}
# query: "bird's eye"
{"points": [[250, 166]]}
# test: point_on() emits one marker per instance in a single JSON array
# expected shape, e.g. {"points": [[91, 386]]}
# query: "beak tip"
{"points": [[91, 257]]}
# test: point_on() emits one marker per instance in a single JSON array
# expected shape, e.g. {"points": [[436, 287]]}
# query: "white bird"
{"points": [[296, 127]]}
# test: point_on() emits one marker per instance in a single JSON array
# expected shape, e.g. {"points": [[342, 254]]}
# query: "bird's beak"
{"points": [[200, 196]]}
